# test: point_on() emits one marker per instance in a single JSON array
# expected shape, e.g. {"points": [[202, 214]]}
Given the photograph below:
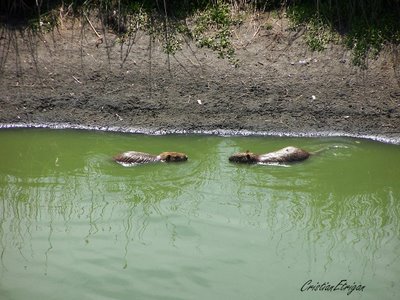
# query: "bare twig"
{"points": [[76, 79], [166, 35], [94, 29], [100, 38]]}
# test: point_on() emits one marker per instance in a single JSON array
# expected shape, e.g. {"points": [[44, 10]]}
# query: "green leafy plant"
{"points": [[46, 22], [213, 28], [362, 26], [319, 35]]}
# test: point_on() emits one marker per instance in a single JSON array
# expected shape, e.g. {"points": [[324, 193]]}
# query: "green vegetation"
{"points": [[364, 26], [318, 33], [213, 30]]}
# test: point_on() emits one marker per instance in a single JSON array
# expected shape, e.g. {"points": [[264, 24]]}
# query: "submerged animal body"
{"points": [[286, 155], [134, 157]]}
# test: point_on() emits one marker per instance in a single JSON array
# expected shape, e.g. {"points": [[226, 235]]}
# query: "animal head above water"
{"points": [[244, 158], [173, 156]]}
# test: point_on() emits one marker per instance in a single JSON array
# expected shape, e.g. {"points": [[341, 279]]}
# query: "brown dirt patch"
{"points": [[279, 87]]}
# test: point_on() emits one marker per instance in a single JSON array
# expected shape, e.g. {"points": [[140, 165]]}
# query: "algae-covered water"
{"points": [[76, 225]]}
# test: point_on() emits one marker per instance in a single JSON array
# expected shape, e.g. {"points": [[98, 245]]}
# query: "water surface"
{"points": [[76, 225]]}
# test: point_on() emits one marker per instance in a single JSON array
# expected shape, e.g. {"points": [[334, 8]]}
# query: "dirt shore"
{"points": [[279, 87]]}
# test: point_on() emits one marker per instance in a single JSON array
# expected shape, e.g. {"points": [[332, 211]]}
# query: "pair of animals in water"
{"points": [[286, 155]]}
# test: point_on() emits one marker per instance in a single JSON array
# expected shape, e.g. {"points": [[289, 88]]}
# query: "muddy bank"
{"points": [[280, 87]]}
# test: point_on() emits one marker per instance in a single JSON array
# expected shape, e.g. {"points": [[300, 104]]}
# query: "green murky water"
{"points": [[75, 225]]}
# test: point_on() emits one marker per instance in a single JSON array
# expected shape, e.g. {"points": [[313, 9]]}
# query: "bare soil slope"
{"points": [[280, 86]]}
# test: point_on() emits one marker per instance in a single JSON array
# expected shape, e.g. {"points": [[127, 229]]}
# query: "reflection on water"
{"points": [[201, 229]]}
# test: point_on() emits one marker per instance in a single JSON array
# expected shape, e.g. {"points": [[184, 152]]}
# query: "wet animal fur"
{"points": [[134, 157], [286, 155]]}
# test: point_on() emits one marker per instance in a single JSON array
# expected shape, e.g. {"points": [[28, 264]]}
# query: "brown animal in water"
{"points": [[134, 157], [285, 155]]}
